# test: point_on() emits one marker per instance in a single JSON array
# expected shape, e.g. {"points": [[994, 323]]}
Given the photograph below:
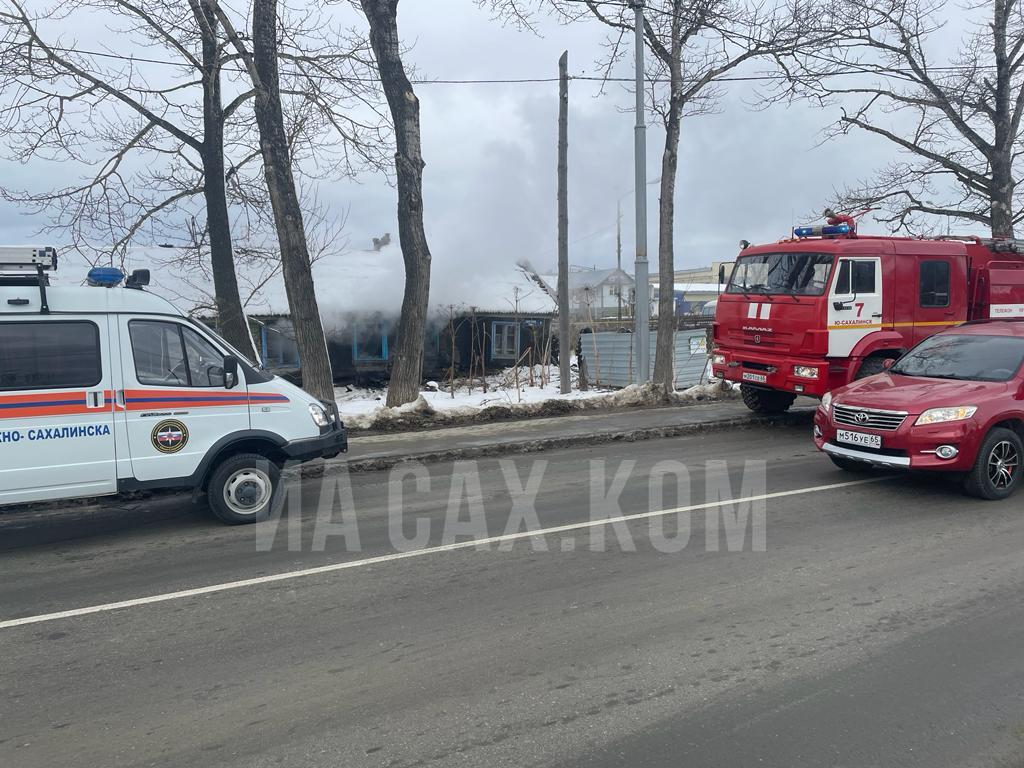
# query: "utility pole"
{"points": [[618, 251], [564, 329], [642, 327]]}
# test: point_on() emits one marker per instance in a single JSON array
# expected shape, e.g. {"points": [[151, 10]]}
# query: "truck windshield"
{"points": [[802, 274], [967, 357]]}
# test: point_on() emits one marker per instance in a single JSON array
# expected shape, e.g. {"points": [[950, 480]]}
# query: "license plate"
{"points": [[859, 438], [760, 378]]}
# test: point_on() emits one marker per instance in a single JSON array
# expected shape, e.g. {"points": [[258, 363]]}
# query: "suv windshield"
{"points": [[970, 358], [803, 274]]}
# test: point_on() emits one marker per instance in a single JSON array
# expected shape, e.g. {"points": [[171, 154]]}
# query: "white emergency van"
{"points": [[106, 388]]}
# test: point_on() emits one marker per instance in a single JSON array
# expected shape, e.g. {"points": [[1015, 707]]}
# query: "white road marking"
{"points": [[288, 575]]}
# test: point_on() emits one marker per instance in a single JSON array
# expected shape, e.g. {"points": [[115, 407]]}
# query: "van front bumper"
{"points": [[331, 442]]}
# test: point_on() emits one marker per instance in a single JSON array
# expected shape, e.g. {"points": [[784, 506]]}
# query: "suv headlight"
{"points": [[939, 415], [826, 400], [319, 415]]}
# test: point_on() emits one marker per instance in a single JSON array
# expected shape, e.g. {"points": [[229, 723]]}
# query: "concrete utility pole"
{"points": [[618, 250], [564, 329], [642, 327]]}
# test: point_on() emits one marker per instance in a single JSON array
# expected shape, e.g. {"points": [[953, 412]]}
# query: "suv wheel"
{"points": [[997, 468], [242, 488], [766, 401]]}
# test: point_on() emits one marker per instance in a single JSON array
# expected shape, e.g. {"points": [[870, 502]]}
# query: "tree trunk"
{"points": [[664, 363], [1003, 145], [407, 370], [230, 315], [317, 378]]}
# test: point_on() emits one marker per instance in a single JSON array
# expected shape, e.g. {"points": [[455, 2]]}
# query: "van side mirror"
{"points": [[888, 363], [230, 371]]}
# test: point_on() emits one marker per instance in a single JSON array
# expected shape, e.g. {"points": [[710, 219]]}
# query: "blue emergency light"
{"points": [[104, 277], [826, 231]]}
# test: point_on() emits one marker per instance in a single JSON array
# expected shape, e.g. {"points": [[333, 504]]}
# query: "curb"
{"points": [[378, 463]]}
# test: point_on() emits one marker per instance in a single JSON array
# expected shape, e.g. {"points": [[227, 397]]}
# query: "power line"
{"points": [[763, 77]]}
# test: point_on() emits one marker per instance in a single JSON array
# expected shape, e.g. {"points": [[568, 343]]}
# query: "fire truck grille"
{"points": [[866, 417]]}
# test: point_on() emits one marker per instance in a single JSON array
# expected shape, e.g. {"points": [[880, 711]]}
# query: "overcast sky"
{"points": [[491, 155]]}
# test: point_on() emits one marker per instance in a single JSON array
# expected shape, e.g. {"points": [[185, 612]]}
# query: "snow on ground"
{"points": [[509, 394]]}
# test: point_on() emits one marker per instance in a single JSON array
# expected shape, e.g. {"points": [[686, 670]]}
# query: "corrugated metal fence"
{"points": [[611, 361]]}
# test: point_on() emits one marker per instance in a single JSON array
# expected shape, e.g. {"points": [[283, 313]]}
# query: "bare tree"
{"points": [[695, 44], [261, 62], [954, 115], [171, 161], [53, 95], [407, 372]]}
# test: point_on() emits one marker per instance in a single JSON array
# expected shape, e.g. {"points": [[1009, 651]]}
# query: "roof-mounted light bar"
{"points": [[836, 230], [22, 259]]}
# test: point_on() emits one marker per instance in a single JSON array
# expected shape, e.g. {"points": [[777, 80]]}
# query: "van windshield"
{"points": [[966, 357], [244, 359], [800, 274]]}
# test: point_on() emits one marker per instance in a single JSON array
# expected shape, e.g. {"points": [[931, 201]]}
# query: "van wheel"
{"points": [[766, 401], [850, 465], [997, 468], [242, 488]]}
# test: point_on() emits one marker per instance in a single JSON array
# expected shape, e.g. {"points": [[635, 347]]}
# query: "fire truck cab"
{"points": [[825, 307]]}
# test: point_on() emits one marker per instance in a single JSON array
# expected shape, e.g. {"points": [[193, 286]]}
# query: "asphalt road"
{"points": [[882, 625]]}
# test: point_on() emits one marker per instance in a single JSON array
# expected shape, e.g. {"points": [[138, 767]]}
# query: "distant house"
{"points": [[598, 294]]}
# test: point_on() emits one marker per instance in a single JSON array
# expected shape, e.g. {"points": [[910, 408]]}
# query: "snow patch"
{"points": [[509, 395]]}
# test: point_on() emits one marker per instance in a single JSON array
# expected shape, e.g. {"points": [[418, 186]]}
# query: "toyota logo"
{"points": [[861, 417]]}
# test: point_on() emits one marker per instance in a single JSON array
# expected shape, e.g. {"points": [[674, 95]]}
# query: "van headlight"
{"points": [[940, 415], [826, 401], [319, 415]]}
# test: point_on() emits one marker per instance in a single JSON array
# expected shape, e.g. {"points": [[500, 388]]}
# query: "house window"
{"points": [[369, 344], [505, 341]]}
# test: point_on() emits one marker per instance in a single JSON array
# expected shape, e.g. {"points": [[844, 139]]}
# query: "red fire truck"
{"points": [[828, 306]]}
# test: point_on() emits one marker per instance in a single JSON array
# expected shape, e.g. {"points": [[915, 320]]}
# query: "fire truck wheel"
{"points": [[996, 471], [766, 401], [242, 488], [850, 465], [870, 367]]}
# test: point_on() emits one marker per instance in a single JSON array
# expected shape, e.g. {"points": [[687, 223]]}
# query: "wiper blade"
{"points": [[761, 288]]}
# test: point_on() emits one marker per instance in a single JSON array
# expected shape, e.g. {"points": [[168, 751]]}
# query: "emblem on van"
{"points": [[170, 436]]}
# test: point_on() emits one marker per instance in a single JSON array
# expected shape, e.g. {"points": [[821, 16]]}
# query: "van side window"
{"points": [[49, 355], [169, 355], [862, 279], [934, 284]]}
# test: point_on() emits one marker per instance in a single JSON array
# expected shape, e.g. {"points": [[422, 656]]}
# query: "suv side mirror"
{"points": [[230, 371]]}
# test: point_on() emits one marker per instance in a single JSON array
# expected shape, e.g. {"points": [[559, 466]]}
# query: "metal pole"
{"points": [[642, 328], [564, 330]]}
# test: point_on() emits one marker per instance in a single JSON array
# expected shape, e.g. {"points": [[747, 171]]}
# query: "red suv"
{"points": [[953, 403]]}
